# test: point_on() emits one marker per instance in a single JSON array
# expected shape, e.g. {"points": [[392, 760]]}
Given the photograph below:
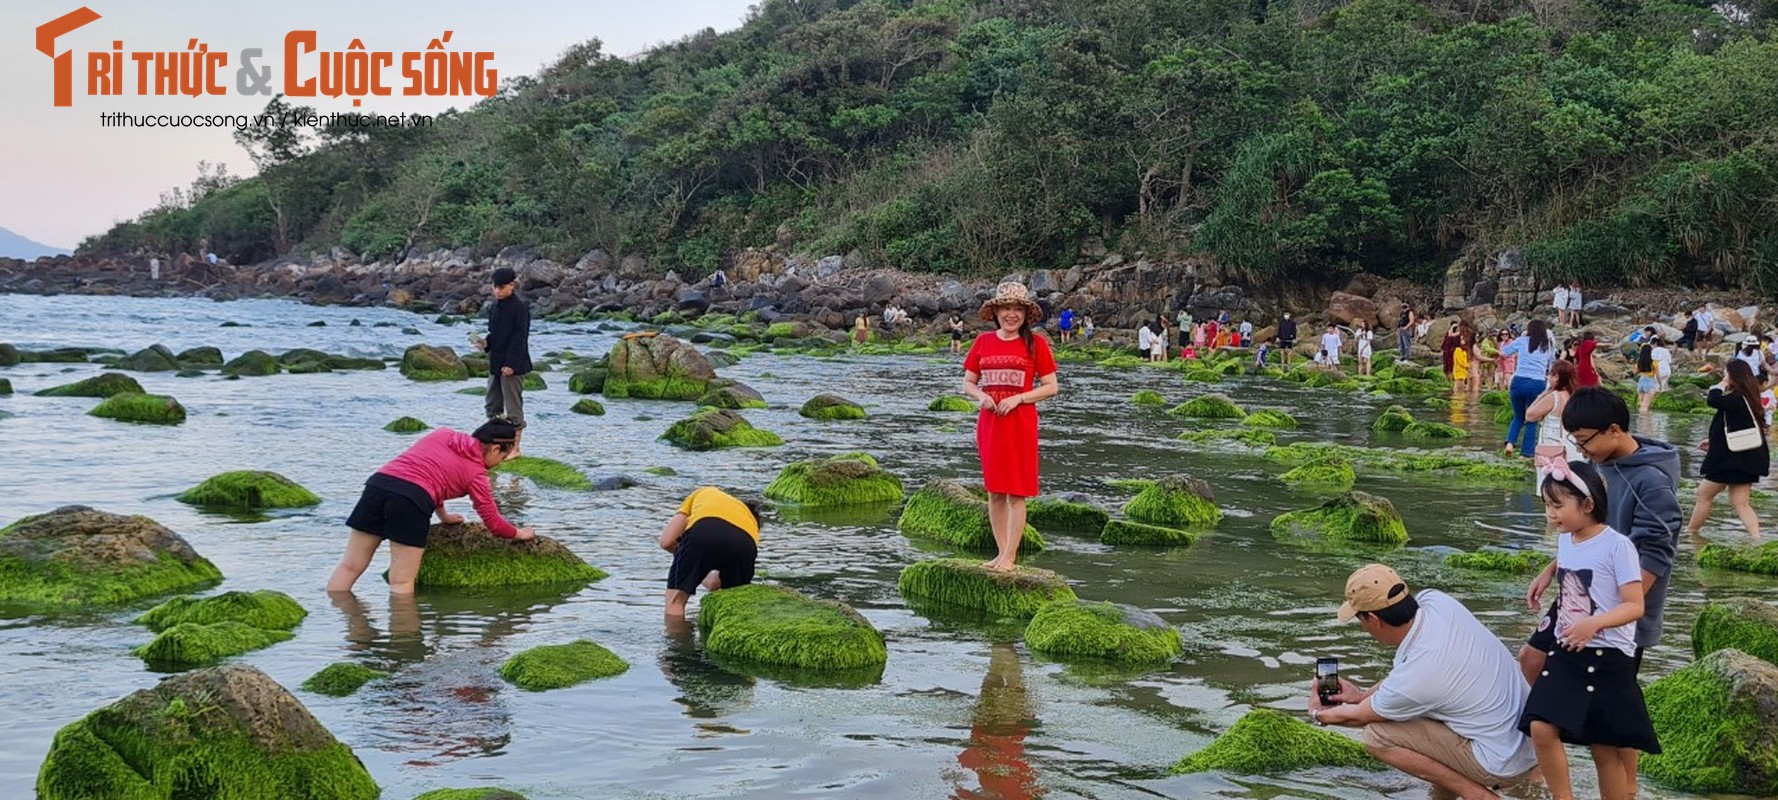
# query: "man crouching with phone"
{"points": [[1448, 712]]}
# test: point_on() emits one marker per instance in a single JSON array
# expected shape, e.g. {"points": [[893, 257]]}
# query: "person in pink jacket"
{"points": [[400, 499]]}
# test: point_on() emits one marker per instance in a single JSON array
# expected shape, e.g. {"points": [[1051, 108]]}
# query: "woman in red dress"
{"points": [[1008, 370]]}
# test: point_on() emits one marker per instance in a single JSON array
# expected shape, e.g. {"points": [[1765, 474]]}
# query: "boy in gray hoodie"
{"points": [[1641, 484]]}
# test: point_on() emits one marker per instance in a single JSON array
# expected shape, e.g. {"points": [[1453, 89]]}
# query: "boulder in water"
{"points": [[588, 406], [104, 384], [964, 584], [155, 358], [342, 678], [1268, 418], [733, 395], [657, 368], [1354, 516], [952, 403], [1393, 418], [1718, 724], [1266, 741], [200, 357], [265, 609], [778, 627], [427, 363], [152, 409], [1758, 559], [1123, 531], [76, 556], [546, 472], [466, 555], [1332, 472], [1055, 513], [951, 512], [716, 428], [1110, 632], [558, 666], [1209, 406], [843, 480], [190, 644], [1744, 624], [471, 794], [831, 406], [406, 425], [253, 363], [1175, 501], [250, 490], [230, 731]]}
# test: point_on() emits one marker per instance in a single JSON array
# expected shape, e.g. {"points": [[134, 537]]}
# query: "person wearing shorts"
{"points": [[400, 500], [714, 539]]}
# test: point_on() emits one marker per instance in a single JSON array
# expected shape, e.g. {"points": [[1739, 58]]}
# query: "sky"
{"points": [[64, 176]]}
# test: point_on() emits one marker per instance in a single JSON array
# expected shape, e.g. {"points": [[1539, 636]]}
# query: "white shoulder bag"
{"points": [[1745, 439]]}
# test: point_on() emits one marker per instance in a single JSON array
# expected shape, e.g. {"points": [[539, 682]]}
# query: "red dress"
{"points": [[1008, 445], [1584, 374]]}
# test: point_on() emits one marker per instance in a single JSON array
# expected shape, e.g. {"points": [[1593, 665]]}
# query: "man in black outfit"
{"points": [[509, 352], [1287, 337]]}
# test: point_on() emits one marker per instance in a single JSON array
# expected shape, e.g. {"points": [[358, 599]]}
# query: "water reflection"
{"points": [[402, 644], [706, 691], [1004, 715]]}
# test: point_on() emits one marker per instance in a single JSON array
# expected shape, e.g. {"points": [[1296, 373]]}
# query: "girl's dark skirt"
{"points": [[1592, 698]]}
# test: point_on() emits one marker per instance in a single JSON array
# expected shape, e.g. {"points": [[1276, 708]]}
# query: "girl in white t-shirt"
{"points": [[1587, 692], [1363, 336], [1663, 359], [1330, 342]]}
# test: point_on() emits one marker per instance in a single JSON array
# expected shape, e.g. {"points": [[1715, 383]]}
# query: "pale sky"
{"points": [[64, 177]]}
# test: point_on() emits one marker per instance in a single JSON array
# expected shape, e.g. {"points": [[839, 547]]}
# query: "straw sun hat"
{"points": [[1012, 294]]}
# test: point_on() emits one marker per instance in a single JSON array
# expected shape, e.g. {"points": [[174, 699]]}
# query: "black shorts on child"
{"points": [[712, 545], [393, 509]]}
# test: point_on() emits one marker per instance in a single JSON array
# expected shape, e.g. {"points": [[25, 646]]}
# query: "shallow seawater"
{"points": [[947, 718]]}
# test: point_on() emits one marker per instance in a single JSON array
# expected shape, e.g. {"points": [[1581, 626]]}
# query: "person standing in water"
{"points": [[956, 334], [1007, 372], [509, 352]]}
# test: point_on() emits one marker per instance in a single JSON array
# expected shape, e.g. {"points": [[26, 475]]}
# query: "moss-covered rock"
{"points": [[1175, 501], [1515, 562], [1480, 466], [588, 406], [76, 556], [558, 666], [228, 732], [476, 364], [657, 368], [1353, 516], [406, 425], [59, 355], [190, 644], [1495, 397], [1744, 624], [104, 384], [963, 584], [1209, 406], [546, 472], [952, 403], [775, 626], [267, 609], [587, 381], [467, 556], [423, 362], [716, 428], [250, 490], [1128, 532], [5, 386], [533, 382], [252, 364], [1049, 513], [1718, 724], [200, 357], [843, 480], [1148, 397], [1267, 741], [153, 409], [471, 794], [1119, 634], [1680, 399], [1268, 418], [1393, 419], [831, 406], [1251, 437], [951, 512], [733, 395], [1434, 430], [1332, 472], [341, 679], [155, 358], [9, 355], [1760, 560]]}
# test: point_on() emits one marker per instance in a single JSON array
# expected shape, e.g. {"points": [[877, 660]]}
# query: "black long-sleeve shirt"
{"points": [[509, 335]]}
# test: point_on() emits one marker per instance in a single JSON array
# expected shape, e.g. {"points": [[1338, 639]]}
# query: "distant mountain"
{"points": [[13, 245]]}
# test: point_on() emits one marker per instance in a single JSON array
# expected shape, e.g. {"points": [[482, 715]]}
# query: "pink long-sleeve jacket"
{"points": [[448, 465]]}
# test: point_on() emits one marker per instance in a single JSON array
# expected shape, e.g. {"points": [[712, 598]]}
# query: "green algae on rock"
{"points": [[1209, 406], [427, 363], [228, 732], [1332, 472], [1123, 531], [1111, 632], [471, 794], [154, 358], [588, 406], [1148, 397], [964, 584], [558, 666], [1393, 419], [1266, 741], [831, 406], [1251, 437], [1508, 561], [252, 364], [951, 512], [1174, 501], [843, 480], [1433, 430], [1268, 418], [104, 384], [77, 556], [341, 679], [587, 381], [1758, 559], [952, 403], [467, 556], [250, 490], [1718, 724], [546, 472], [1744, 624], [776, 626], [1354, 516], [1050, 513], [732, 395], [195, 644], [406, 425], [1480, 466], [657, 368], [267, 609], [154, 409], [717, 428]]}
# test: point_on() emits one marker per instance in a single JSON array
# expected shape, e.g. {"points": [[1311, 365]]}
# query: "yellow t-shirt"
{"points": [[710, 501], [1460, 364]]}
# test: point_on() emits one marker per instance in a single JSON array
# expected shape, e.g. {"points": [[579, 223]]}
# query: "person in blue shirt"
{"points": [[1535, 351], [1065, 323]]}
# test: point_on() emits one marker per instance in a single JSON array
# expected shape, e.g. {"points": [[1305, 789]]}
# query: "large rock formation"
{"points": [[657, 368], [76, 556]]}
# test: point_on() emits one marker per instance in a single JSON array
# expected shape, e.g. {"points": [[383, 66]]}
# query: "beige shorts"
{"points": [[1437, 741]]}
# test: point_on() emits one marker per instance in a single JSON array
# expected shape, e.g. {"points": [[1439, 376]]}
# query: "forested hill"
{"points": [[1617, 140]]}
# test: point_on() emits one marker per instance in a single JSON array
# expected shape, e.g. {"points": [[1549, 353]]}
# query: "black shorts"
{"points": [[712, 545], [391, 508], [1286, 343]]}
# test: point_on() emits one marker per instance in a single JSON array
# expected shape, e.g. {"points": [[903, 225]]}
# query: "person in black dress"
{"points": [[1737, 403]]}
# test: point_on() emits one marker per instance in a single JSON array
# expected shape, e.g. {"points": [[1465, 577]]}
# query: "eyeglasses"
{"points": [[1582, 443]]}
